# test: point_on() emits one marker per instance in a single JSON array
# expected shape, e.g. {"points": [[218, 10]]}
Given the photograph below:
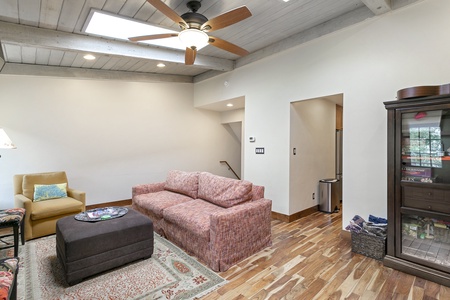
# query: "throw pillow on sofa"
{"points": [[185, 183], [222, 191]]}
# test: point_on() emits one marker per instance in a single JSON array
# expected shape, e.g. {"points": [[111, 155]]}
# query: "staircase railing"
{"points": [[230, 168]]}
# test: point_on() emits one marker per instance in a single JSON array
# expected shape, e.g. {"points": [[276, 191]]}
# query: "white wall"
{"points": [[368, 63], [313, 131], [107, 135]]}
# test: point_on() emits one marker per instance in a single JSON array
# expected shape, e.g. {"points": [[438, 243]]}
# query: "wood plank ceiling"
{"points": [[44, 37]]}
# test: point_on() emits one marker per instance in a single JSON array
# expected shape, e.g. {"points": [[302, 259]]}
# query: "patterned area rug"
{"points": [[169, 274]]}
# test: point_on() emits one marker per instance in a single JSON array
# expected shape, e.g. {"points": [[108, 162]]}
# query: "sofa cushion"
{"points": [[223, 191], [182, 182], [55, 207], [159, 201], [193, 216], [30, 180]]}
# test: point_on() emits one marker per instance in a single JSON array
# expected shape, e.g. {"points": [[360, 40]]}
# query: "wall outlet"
{"points": [[313, 196]]}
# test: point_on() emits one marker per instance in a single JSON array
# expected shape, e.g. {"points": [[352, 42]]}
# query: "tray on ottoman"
{"points": [[86, 248]]}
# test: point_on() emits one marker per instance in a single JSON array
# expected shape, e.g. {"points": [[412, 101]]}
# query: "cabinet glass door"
{"points": [[425, 184], [426, 146], [427, 239]]}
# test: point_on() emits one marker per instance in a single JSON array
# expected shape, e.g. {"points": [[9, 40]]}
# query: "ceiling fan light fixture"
{"points": [[193, 38]]}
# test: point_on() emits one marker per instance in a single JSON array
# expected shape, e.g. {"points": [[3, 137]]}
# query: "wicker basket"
{"points": [[369, 245]]}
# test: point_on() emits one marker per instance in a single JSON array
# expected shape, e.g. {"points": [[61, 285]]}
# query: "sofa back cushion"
{"points": [[29, 180], [222, 191], [185, 183]]}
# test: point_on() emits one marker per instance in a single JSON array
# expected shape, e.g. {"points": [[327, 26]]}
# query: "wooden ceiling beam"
{"points": [[378, 7], [51, 39], [49, 71]]}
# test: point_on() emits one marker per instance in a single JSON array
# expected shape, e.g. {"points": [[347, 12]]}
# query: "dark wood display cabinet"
{"points": [[419, 187]]}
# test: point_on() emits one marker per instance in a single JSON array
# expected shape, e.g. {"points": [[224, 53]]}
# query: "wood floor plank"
{"points": [[310, 260], [388, 288], [432, 289], [369, 274], [407, 282], [444, 293]]}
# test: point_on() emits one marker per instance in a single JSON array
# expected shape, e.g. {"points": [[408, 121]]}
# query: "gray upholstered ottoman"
{"points": [[88, 248]]}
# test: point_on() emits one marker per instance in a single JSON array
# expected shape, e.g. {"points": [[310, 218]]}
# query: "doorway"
{"points": [[314, 153], [232, 118]]}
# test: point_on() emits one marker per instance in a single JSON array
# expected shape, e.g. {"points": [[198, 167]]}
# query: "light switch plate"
{"points": [[259, 150]]}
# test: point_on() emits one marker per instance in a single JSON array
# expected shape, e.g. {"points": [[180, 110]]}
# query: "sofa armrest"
{"points": [[77, 195], [23, 202], [240, 231], [147, 188]]}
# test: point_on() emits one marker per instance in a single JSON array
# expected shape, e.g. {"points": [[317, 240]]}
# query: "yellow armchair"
{"points": [[41, 216]]}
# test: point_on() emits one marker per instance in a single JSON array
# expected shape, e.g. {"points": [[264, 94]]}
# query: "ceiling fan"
{"points": [[194, 28]]}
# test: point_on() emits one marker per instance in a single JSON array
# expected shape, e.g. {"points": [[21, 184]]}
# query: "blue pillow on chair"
{"points": [[49, 191]]}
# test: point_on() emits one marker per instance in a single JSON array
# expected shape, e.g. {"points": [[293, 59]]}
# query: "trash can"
{"points": [[329, 195]]}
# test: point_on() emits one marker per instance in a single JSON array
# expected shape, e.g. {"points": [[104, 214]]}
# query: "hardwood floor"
{"points": [[310, 260]]}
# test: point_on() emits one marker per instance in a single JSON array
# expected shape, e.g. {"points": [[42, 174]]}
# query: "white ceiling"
{"points": [[44, 37]]}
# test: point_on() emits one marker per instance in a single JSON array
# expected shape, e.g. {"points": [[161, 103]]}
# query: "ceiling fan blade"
{"points": [[190, 55], [227, 46], [170, 13], [152, 37], [226, 19]]}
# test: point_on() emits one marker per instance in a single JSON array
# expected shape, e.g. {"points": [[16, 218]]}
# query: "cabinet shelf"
{"points": [[443, 133], [423, 213], [408, 157]]}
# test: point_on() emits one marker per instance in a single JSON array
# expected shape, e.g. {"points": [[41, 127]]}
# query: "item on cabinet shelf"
{"points": [[441, 232], [423, 91], [419, 179], [428, 232], [410, 228], [416, 172], [420, 115], [418, 227]]}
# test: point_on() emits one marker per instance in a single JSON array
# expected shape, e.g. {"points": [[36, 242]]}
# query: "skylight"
{"points": [[113, 26]]}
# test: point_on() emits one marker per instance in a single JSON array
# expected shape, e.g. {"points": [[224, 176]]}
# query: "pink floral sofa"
{"points": [[220, 220]]}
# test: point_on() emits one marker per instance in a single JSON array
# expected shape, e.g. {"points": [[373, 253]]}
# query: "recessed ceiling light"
{"points": [[160, 65], [89, 57], [230, 104]]}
